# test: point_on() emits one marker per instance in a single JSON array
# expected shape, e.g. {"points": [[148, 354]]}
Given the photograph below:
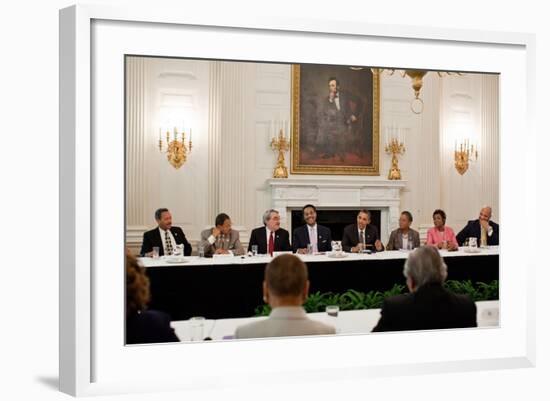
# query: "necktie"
{"points": [[313, 239], [271, 244], [219, 242], [483, 236], [168, 243], [362, 237]]}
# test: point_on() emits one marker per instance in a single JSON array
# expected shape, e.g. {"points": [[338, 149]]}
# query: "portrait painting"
{"points": [[335, 120]]}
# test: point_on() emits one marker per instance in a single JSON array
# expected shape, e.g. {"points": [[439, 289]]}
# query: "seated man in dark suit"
{"points": [[428, 305], [165, 236], [271, 237], [362, 235], [485, 230], [312, 233]]}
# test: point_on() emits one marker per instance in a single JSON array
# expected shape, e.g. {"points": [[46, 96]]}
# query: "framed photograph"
{"points": [[336, 119], [94, 359]]}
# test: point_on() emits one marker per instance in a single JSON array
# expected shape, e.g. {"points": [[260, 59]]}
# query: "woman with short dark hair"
{"points": [[440, 235], [404, 237]]}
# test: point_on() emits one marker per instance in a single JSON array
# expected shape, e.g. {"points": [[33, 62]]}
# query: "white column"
{"points": [[232, 172], [489, 149], [428, 186], [136, 127], [214, 135]]}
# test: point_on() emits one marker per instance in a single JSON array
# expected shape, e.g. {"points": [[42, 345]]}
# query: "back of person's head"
{"points": [[286, 276], [424, 265], [137, 285]]}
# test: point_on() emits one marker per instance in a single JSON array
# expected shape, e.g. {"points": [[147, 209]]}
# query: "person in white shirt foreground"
{"points": [[285, 289]]}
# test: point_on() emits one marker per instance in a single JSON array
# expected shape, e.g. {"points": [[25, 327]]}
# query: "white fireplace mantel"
{"points": [[339, 193]]}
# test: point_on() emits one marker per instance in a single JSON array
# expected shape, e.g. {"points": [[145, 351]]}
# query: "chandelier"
{"points": [[176, 150], [416, 76]]}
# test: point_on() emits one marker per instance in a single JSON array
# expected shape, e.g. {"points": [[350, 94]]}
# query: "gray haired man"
{"points": [[428, 305], [271, 237]]}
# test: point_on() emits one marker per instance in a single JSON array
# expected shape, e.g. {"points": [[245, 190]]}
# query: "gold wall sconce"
{"points": [[177, 150], [464, 154]]}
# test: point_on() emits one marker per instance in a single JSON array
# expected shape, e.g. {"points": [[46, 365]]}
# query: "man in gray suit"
{"points": [[404, 237], [285, 289], [221, 239]]}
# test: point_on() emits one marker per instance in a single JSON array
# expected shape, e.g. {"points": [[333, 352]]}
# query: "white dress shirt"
{"points": [[336, 100], [405, 241]]}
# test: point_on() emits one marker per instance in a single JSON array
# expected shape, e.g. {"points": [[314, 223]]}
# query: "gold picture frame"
{"points": [[315, 147]]}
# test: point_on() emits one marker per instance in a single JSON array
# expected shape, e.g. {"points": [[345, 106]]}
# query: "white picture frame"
{"points": [[95, 361]]}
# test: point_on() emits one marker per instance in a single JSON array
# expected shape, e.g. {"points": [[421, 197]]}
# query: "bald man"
{"points": [[485, 230]]}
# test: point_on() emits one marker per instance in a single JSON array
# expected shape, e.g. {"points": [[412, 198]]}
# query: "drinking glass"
{"points": [[196, 328], [332, 311], [201, 251], [156, 251], [309, 249], [472, 242], [254, 250]]}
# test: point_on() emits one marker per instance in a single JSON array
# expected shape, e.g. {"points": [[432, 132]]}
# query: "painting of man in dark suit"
{"points": [[335, 128]]}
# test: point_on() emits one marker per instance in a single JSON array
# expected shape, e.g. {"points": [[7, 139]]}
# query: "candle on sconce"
{"points": [[190, 133]]}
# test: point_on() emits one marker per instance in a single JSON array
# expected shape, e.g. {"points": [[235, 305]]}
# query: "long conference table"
{"points": [[347, 322], [231, 287]]}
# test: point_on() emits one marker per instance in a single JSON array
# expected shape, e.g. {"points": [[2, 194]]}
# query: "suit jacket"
{"points": [[396, 239], [284, 321], [350, 237], [259, 237], [429, 307], [300, 238], [152, 238], [149, 326], [232, 243], [473, 229]]}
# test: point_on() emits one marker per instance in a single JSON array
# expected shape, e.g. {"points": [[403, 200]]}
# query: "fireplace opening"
{"points": [[336, 220]]}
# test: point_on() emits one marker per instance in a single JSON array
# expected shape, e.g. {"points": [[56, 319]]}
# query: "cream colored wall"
{"points": [[233, 104]]}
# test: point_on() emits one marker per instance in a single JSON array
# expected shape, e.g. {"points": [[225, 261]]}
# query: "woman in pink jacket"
{"points": [[441, 236]]}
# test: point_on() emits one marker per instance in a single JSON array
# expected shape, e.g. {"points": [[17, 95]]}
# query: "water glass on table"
{"points": [[254, 250], [332, 311], [309, 249], [201, 251], [156, 252], [196, 328]]}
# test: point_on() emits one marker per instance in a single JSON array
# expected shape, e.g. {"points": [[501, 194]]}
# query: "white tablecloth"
{"points": [[225, 260], [347, 322]]}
